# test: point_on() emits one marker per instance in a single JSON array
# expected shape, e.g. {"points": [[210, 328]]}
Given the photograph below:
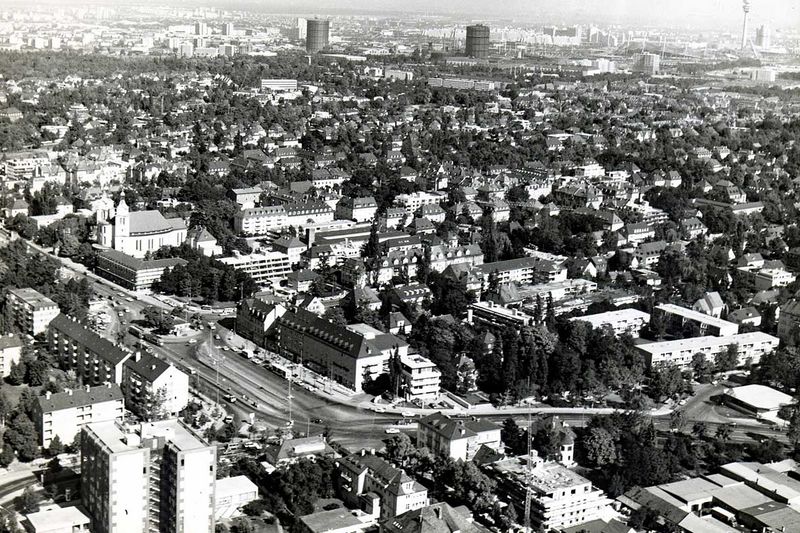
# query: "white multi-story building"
{"points": [[262, 267], [278, 85], [630, 321], [146, 375], [10, 352], [561, 498], [260, 220], [30, 310], [414, 201], [64, 414], [159, 478], [421, 378], [750, 346]]}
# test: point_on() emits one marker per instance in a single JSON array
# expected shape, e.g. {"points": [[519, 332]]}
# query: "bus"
{"points": [[136, 331], [155, 339]]}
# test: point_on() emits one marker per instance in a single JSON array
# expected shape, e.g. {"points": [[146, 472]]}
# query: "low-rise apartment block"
{"points": [[10, 352], [145, 376], [64, 414], [750, 347], [675, 319], [623, 321], [263, 267], [94, 359], [30, 310]]}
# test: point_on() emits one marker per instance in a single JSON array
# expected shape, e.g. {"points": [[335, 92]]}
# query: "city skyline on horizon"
{"points": [[690, 14]]}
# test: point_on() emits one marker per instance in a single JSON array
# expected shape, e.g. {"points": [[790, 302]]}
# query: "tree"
{"points": [[600, 447], [56, 447], [699, 429], [21, 436], [158, 319], [724, 432], [151, 405], [727, 360], [27, 502], [16, 374], [6, 456], [677, 420], [399, 449]]}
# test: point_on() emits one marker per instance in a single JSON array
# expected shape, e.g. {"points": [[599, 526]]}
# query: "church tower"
{"points": [[122, 223]]}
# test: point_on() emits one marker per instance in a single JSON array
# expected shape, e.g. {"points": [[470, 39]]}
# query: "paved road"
{"points": [[351, 423]]}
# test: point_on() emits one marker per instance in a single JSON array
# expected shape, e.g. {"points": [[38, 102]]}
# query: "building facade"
{"points": [[158, 478], [64, 414], [317, 35], [94, 359], [30, 310], [457, 438], [136, 233]]}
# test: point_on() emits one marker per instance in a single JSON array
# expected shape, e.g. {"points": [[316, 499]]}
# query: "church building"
{"points": [[137, 232]]}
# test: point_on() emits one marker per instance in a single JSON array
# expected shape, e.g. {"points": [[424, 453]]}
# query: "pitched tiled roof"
{"points": [[93, 342], [79, 397], [149, 367]]}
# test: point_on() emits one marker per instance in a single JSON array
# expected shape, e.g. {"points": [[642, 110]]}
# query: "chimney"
{"points": [[47, 395], [87, 388], [363, 452], [69, 392], [438, 512]]}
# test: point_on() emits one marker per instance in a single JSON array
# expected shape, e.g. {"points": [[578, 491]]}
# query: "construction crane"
{"points": [[529, 479]]}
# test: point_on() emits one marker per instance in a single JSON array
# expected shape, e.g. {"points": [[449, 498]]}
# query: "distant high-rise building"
{"points": [[200, 28], [227, 29], [301, 28], [648, 64], [199, 42], [478, 41], [763, 37], [746, 10], [159, 479], [186, 50], [317, 35]]}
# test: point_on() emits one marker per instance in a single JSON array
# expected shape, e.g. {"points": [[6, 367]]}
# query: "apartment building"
{"points": [[260, 220], [10, 352], [457, 438], [254, 318], [264, 268], [412, 202], [676, 318], [64, 414], [524, 270], [145, 375], [159, 477], [363, 473], [421, 378], [623, 321], [750, 346], [30, 310], [94, 359], [561, 498], [492, 314]]}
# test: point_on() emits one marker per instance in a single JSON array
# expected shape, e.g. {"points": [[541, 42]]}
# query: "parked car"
{"points": [[392, 431]]}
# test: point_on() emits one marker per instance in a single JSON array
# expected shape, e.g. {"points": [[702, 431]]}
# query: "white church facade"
{"points": [[137, 232]]}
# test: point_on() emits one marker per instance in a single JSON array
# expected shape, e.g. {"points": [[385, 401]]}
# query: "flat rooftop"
{"points": [[697, 316], [118, 440], [545, 477], [699, 343]]}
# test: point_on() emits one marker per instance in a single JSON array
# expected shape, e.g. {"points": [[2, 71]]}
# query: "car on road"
{"points": [[129, 299], [228, 419], [217, 337], [392, 431], [192, 370], [230, 398], [407, 414], [316, 420], [380, 409]]}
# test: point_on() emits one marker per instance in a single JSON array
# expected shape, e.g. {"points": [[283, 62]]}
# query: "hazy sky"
{"points": [[695, 13]]}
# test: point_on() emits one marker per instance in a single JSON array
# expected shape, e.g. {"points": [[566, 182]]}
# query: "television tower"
{"points": [[746, 9]]}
